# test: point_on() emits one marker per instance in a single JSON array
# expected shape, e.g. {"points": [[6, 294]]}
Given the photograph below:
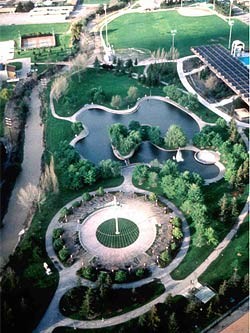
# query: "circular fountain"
{"points": [[207, 157]]}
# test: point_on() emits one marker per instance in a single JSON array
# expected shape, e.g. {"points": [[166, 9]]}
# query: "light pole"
{"points": [[231, 23], [173, 33], [230, 8], [106, 28]]}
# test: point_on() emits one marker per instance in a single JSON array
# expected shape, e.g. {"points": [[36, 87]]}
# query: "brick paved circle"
{"points": [[142, 213]]}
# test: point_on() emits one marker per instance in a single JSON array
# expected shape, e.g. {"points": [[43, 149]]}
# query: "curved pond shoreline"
{"points": [[217, 170]]}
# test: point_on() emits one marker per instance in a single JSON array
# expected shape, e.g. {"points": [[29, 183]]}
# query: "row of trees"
{"points": [[76, 173], [185, 99], [99, 96]]}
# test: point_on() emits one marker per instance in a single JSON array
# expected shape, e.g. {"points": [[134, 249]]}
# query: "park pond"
{"points": [[96, 146]]}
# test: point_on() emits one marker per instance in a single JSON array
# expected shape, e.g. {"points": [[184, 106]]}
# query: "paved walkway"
{"points": [[33, 147], [68, 279]]}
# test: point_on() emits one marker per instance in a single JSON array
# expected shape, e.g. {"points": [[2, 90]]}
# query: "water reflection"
{"points": [[96, 146]]}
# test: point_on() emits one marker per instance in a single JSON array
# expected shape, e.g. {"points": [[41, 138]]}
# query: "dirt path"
{"points": [[33, 148]]}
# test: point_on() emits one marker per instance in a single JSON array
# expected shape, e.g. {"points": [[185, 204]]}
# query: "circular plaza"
{"points": [[125, 232]]}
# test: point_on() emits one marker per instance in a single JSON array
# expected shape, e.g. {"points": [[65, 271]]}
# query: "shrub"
{"points": [[63, 254], [57, 233], [58, 244], [86, 196]]}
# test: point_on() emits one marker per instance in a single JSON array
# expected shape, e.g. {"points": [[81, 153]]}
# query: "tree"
{"points": [[89, 305], [175, 137], [79, 63], [76, 29], [63, 254], [153, 319], [109, 169], [234, 207], [58, 244], [30, 196], [165, 256], [4, 94], [173, 326], [224, 207], [132, 94], [59, 86], [169, 168], [49, 182], [140, 174], [116, 101], [210, 236], [154, 135], [153, 179], [223, 288], [120, 276], [177, 233], [77, 127]]}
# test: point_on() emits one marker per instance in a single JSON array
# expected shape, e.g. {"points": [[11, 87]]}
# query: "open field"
{"points": [[153, 30], [61, 31], [236, 255]]}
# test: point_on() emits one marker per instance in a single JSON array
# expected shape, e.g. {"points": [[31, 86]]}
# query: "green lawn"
{"points": [[152, 30], [128, 233], [57, 53], [111, 83], [236, 255]]}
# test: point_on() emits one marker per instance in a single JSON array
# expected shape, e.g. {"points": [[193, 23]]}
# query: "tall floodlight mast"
{"points": [[106, 27], [173, 33]]}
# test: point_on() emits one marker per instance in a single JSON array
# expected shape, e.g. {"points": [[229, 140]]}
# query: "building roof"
{"points": [[228, 68], [7, 50], [204, 294]]}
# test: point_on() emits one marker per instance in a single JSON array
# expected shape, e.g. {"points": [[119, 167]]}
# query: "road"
{"points": [[33, 147]]}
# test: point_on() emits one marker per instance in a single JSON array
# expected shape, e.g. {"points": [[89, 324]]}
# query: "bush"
{"points": [[120, 276], [76, 204], [57, 233], [63, 254], [86, 196], [100, 191], [58, 244]]}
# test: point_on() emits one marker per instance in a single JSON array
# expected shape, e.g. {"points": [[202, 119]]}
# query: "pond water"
{"points": [[96, 146]]}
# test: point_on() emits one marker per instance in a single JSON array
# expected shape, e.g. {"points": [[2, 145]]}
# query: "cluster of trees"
{"points": [[125, 140], [185, 99], [76, 173], [226, 140], [184, 188], [99, 96], [157, 73]]}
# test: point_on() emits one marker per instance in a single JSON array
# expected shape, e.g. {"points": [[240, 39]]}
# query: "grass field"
{"points": [[236, 255], [152, 31], [111, 83], [128, 233], [61, 31]]}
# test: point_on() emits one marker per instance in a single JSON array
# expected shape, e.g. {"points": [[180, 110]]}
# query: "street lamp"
{"points": [[230, 8], [231, 23], [106, 28], [173, 33]]}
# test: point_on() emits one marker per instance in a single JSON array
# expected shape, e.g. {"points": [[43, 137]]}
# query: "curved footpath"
{"points": [[68, 279], [31, 169]]}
